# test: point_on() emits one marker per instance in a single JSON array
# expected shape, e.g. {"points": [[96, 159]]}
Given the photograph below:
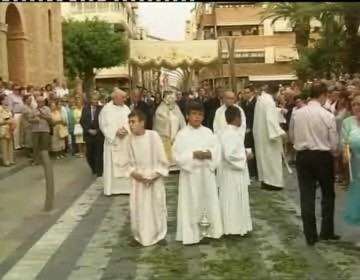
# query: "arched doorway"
{"points": [[15, 45]]}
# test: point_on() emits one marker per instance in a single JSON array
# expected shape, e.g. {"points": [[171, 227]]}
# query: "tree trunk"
{"points": [[89, 82], [49, 181], [231, 50]]}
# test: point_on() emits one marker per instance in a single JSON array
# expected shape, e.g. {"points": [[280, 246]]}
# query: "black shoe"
{"points": [[333, 237], [270, 188], [312, 243]]}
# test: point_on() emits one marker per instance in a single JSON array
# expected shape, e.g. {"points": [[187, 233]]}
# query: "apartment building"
{"points": [[123, 16], [263, 52]]}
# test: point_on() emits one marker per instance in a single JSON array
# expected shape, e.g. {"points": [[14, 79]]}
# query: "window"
{"points": [[249, 57], [225, 57], [209, 34], [49, 25]]}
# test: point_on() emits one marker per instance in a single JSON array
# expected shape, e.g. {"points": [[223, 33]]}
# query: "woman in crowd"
{"points": [[77, 109], [342, 111], [59, 131], [71, 126], [7, 128], [16, 105], [26, 125], [351, 156]]}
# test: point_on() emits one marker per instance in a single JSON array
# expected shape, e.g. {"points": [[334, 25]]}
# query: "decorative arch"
{"points": [[16, 41], [4, 9]]}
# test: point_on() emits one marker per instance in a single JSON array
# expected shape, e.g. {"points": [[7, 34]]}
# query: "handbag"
{"points": [[78, 130], [63, 132]]}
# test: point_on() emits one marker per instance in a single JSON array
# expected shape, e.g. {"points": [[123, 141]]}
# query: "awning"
{"points": [[272, 78], [172, 54], [286, 54]]}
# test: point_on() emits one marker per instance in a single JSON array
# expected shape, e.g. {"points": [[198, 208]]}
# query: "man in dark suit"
{"points": [[248, 105], [136, 103], [211, 105], [93, 136]]}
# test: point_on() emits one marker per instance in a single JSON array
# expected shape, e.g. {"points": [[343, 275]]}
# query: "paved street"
{"points": [[92, 240], [22, 220]]}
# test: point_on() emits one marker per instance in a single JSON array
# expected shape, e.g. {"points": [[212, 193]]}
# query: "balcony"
{"points": [[250, 69], [207, 20], [259, 42], [238, 16]]}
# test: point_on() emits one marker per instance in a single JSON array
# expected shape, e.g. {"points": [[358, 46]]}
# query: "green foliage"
{"points": [[337, 50], [298, 13], [91, 44]]}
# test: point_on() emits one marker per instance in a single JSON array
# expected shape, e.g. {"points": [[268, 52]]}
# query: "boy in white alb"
{"points": [[196, 151], [233, 176], [147, 165]]}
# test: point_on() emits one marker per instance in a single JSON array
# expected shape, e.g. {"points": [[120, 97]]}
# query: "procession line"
{"points": [[36, 258], [348, 265], [95, 258]]}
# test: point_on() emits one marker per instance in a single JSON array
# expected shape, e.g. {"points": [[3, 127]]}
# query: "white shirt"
{"points": [[60, 92], [314, 128]]}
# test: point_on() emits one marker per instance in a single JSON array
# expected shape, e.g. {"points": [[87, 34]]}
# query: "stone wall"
{"points": [[31, 43]]}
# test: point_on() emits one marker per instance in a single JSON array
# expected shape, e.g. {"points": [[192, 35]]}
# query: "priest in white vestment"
{"points": [[268, 137], [233, 176], [148, 164], [168, 120], [197, 152], [113, 122], [229, 99]]}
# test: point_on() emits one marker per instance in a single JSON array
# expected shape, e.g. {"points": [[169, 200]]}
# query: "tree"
{"points": [[298, 13], [349, 14], [91, 45]]}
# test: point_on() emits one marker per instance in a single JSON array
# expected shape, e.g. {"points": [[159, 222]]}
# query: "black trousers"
{"points": [[249, 143], [94, 154], [313, 168]]}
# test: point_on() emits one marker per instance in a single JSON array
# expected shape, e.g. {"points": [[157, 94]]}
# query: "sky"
{"points": [[165, 20]]}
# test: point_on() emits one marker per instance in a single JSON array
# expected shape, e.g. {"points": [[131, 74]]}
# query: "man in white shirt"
{"points": [[315, 140], [113, 122]]}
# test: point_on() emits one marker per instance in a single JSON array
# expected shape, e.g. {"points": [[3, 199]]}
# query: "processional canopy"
{"points": [[173, 54]]}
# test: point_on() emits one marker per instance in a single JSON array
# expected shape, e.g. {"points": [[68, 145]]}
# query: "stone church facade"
{"points": [[31, 43]]}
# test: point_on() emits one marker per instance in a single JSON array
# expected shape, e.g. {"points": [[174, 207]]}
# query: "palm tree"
{"points": [[298, 13], [349, 13]]}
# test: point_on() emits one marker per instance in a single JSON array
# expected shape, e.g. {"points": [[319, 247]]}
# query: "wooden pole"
{"points": [[49, 181]]}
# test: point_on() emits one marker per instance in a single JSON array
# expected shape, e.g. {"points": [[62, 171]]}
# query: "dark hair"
{"points": [[139, 114], [26, 97], [317, 89], [250, 87], [194, 106], [302, 97], [2, 98], [231, 113], [272, 89]]}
